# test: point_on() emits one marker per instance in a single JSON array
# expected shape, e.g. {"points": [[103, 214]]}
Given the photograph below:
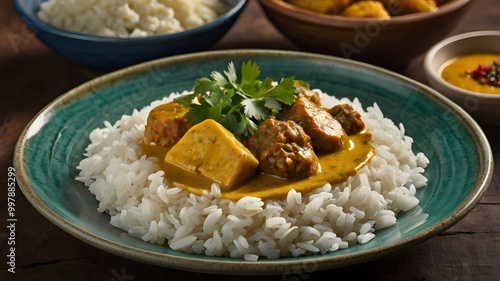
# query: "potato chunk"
{"points": [[366, 9], [417, 6], [402, 7], [210, 149], [322, 6]]}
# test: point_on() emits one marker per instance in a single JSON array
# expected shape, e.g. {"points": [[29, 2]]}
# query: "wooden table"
{"points": [[31, 76]]}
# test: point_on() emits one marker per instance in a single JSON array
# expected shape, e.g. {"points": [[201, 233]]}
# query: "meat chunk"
{"points": [[283, 150], [166, 124], [348, 117], [304, 91], [326, 133]]}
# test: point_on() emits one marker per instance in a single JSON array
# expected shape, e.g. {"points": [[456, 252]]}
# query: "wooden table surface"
{"points": [[31, 76]]}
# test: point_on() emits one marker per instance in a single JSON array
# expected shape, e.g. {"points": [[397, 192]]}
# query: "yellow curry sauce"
{"points": [[456, 70], [335, 168]]}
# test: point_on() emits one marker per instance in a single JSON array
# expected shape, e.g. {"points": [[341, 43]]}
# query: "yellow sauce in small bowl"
{"points": [[455, 72]]}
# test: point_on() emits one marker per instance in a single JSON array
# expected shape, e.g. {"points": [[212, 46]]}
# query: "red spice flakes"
{"points": [[487, 74]]}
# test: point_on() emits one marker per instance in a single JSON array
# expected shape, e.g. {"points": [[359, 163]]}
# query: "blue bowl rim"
{"points": [[35, 24]]}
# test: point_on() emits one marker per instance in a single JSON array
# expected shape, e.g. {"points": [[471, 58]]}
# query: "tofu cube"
{"points": [[213, 151]]}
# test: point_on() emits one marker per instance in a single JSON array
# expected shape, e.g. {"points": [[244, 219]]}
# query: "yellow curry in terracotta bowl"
{"points": [[466, 69]]}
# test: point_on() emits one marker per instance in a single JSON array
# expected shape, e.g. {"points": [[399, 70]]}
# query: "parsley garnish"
{"points": [[239, 103]]}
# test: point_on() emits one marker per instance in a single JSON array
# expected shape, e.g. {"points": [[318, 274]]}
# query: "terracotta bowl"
{"points": [[389, 43], [485, 108]]}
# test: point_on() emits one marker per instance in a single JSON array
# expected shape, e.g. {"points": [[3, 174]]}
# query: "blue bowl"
{"points": [[105, 53]]}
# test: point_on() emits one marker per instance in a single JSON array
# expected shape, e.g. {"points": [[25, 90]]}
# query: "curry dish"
{"points": [[303, 147], [336, 168]]}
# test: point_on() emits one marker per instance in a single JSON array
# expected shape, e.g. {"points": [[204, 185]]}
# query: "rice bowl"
{"points": [[129, 19], [130, 187]]}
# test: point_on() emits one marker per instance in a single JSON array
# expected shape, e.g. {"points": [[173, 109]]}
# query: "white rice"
{"points": [[128, 18], [131, 188]]}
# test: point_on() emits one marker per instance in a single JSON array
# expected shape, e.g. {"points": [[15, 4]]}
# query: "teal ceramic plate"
{"points": [[53, 143]]}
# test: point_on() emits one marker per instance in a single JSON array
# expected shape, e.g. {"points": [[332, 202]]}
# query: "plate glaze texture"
{"points": [[52, 145]]}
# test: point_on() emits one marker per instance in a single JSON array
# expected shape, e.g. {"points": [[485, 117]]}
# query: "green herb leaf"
{"points": [[256, 108], [281, 91], [249, 83], [239, 103]]}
